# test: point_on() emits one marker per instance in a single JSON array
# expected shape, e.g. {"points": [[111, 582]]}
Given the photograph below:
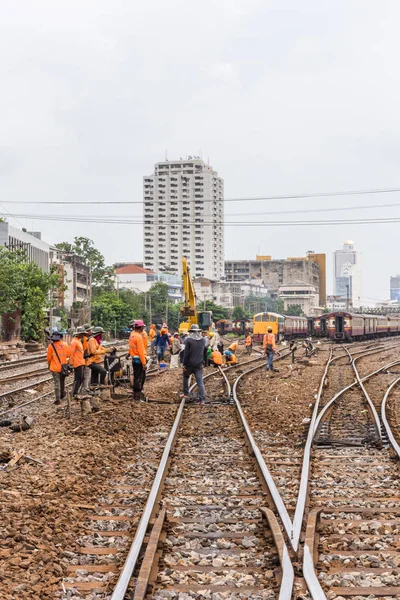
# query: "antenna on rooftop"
{"points": [[166, 154]]}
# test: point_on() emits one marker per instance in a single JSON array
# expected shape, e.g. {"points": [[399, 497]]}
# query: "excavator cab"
{"points": [[205, 319]]}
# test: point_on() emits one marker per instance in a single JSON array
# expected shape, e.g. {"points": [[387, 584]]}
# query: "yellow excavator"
{"points": [[203, 318]]}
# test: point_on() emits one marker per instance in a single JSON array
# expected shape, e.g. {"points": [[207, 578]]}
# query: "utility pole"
{"points": [[150, 307], [347, 297]]}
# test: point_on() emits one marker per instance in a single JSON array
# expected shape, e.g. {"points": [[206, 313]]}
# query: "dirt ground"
{"points": [[40, 503]]}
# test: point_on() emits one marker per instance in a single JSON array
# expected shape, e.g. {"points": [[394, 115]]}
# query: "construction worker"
{"points": [[87, 371], [76, 359], [206, 346], [248, 344], [230, 357], [193, 362], [152, 335], [96, 353], [233, 347], [138, 354], [175, 351], [216, 358], [161, 343], [269, 346], [57, 359]]}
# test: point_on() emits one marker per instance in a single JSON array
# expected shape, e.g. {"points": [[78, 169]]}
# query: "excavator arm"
{"points": [[189, 308]]}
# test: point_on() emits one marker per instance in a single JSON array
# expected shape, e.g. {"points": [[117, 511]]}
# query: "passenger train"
{"points": [[337, 326]]}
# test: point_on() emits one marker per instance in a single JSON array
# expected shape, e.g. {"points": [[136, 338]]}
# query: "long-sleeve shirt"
{"points": [[162, 339], [194, 352], [95, 351], [76, 353], [136, 347]]}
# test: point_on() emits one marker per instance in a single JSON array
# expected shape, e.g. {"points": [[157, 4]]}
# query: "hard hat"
{"points": [[269, 329], [97, 330], [139, 323], [194, 328], [80, 331], [211, 334]]}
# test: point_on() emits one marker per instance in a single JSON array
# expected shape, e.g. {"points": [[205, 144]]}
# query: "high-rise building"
{"points": [[395, 288], [184, 216], [347, 274]]}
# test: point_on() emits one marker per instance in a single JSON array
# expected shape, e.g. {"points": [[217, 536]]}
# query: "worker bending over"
{"points": [[216, 359], [57, 359], [233, 347], [230, 357], [269, 346], [249, 344], [138, 354]]}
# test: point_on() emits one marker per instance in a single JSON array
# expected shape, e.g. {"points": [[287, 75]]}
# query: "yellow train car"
{"points": [[283, 326], [262, 321]]}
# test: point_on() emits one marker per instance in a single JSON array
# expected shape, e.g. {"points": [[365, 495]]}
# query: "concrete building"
{"points": [[184, 216], [335, 303], [301, 294], [20, 239], [273, 274], [395, 288], [76, 298], [132, 277], [228, 294], [347, 274]]}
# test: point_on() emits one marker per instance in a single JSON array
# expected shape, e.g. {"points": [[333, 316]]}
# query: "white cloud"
{"points": [[224, 72]]}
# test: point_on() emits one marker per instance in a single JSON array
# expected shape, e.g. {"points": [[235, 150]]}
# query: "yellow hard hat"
{"points": [[211, 334]]}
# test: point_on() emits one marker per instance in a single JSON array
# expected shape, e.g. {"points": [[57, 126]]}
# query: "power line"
{"points": [[207, 200], [119, 221]]}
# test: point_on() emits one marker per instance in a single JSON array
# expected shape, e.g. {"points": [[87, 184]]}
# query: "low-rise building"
{"points": [[301, 294], [335, 303], [133, 277], [228, 294], [21, 239]]}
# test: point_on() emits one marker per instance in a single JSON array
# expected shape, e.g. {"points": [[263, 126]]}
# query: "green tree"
{"points": [[239, 313], [219, 312], [111, 312], [25, 288], [294, 310], [84, 248]]}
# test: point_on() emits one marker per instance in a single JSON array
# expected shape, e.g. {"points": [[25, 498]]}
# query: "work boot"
{"points": [[136, 396], [85, 407]]}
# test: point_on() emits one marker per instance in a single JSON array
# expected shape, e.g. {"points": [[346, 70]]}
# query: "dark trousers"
{"points": [[138, 378], [205, 357], [78, 379], [98, 372], [59, 385]]}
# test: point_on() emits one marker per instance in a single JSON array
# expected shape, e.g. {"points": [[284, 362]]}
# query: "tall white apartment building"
{"points": [[184, 216], [347, 274]]}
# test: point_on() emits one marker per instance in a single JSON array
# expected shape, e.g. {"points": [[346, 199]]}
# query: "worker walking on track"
{"points": [[193, 362], [57, 359], [249, 344], [76, 359], [96, 353], [269, 346], [175, 351], [138, 354], [152, 335]]}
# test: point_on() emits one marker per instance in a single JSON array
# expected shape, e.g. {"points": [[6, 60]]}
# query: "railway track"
{"points": [[207, 524]]}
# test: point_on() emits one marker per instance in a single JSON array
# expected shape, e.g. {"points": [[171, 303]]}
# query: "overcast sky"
{"points": [[282, 96]]}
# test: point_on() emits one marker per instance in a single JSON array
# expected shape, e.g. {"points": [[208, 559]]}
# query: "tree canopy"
{"points": [[25, 288], [84, 248]]}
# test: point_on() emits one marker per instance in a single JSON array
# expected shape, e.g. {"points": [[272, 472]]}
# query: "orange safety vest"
{"points": [[152, 333], [63, 354], [136, 346], [216, 357], [145, 340], [248, 341], [76, 353], [233, 347], [269, 338]]}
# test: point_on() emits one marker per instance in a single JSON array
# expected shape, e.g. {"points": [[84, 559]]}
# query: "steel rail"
{"points": [[314, 423], [133, 554], [313, 584], [26, 375], [276, 497], [391, 437]]}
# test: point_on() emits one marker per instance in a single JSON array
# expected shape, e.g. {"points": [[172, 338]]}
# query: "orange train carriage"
{"points": [[283, 326]]}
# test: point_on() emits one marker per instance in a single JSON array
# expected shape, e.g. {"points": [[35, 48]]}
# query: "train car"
{"points": [[393, 325], [224, 326], [283, 326], [345, 327], [382, 325]]}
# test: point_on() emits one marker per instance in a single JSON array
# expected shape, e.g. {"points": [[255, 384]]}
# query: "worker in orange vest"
{"points": [[152, 335], [216, 358], [249, 344], [269, 345], [76, 359], [233, 347], [57, 359], [138, 354]]}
